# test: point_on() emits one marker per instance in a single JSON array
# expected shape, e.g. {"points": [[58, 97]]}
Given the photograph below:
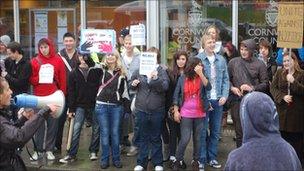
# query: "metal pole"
{"points": [[235, 15], [152, 23], [16, 21], [83, 17]]}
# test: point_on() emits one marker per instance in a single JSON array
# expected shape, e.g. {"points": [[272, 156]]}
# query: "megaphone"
{"points": [[31, 101]]}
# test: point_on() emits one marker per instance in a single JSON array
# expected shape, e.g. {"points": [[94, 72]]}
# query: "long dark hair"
{"points": [[189, 69], [176, 56]]}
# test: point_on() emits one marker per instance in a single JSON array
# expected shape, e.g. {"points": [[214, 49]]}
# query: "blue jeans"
{"points": [[95, 138], [108, 117], [209, 144], [78, 123], [150, 137]]}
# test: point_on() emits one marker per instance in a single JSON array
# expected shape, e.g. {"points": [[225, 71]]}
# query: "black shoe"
{"points": [[117, 164], [104, 165], [182, 164]]}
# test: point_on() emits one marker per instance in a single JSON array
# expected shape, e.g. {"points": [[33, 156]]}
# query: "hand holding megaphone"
{"points": [[54, 108]]}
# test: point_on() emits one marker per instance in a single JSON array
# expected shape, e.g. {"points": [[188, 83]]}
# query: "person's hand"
{"points": [[222, 101], [290, 78], [246, 88], [198, 70], [135, 82], [236, 91], [3, 74], [154, 75], [71, 114], [177, 116], [26, 112], [53, 109], [288, 98]]}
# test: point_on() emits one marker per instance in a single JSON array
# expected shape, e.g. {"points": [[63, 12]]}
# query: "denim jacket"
{"points": [[178, 97], [222, 77]]}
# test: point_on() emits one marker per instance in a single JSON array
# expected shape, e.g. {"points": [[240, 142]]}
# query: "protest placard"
{"points": [[138, 34], [290, 25], [147, 64], [97, 40]]}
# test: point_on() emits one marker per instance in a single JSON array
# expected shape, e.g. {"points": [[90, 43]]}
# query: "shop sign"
{"points": [[97, 40], [290, 25], [138, 35]]}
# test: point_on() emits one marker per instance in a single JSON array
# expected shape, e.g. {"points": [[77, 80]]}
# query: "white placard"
{"points": [[97, 40], [46, 74], [148, 61], [138, 35], [62, 18], [41, 22]]}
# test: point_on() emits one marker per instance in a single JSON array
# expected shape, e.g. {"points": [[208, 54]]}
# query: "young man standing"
{"points": [[246, 74], [215, 67]]}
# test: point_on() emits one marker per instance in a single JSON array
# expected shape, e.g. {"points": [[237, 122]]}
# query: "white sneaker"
{"points": [[35, 156], [138, 168], [93, 156], [158, 168], [133, 151], [50, 155]]}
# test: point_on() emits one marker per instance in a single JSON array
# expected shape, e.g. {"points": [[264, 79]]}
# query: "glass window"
{"points": [[183, 22], [258, 21], [7, 19], [119, 14], [50, 18]]}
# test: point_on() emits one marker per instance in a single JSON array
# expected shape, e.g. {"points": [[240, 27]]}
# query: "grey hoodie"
{"points": [[263, 147]]}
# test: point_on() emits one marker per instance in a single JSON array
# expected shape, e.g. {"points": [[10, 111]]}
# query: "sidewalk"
{"points": [[84, 164]]}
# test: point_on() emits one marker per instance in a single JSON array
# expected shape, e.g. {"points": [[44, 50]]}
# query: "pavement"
{"points": [[83, 162]]}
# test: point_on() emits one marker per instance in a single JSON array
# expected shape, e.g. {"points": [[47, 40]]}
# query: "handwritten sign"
{"points": [[138, 35], [97, 40], [147, 63], [290, 25]]}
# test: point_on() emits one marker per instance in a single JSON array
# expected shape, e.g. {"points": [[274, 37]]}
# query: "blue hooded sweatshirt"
{"points": [[263, 147]]}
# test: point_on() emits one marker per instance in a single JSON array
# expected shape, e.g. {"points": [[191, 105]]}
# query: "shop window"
{"points": [[7, 19]]}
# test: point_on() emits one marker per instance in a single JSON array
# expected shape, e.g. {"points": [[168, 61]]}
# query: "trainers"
{"points": [[133, 151], [67, 159], [182, 164], [35, 156], [50, 155], [93, 156], [158, 168], [138, 168], [201, 167], [215, 164], [195, 165], [172, 159]]}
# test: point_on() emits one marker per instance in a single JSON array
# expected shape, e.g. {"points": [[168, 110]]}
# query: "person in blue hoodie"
{"points": [[263, 147]]}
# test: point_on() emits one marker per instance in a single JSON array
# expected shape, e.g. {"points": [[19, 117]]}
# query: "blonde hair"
{"points": [[217, 31], [118, 65], [204, 38]]}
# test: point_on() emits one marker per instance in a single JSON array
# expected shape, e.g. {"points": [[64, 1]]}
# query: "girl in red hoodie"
{"points": [[48, 75]]}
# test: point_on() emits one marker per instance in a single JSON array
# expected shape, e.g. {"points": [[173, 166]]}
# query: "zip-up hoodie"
{"points": [[263, 147], [59, 72]]}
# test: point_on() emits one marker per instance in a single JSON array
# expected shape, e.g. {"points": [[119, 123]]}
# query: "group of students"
{"points": [[194, 90]]}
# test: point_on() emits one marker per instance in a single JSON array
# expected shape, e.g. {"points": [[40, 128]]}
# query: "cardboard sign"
{"points": [[97, 40], [138, 35], [290, 25], [147, 64]]}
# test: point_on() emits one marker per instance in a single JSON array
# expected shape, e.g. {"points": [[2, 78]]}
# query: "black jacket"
{"points": [[18, 75], [13, 137], [82, 90]]}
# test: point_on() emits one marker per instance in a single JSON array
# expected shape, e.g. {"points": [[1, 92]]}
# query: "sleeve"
{"points": [[277, 94], [62, 76], [161, 84], [230, 73], [134, 76], [225, 85], [177, 92], [297, 87], [13, 137], [34, 78], [24, 76], [72, 92], [263, 79]]}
